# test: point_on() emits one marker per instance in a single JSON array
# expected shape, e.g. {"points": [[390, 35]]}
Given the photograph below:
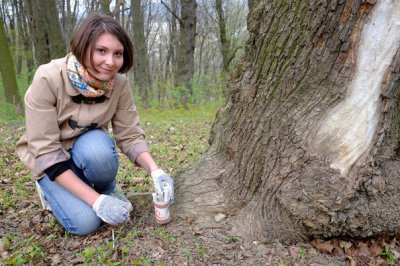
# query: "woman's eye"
{"points": [[119, 54], [100, 50]]}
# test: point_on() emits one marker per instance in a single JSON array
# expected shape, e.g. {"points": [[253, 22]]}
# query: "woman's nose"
{"points": [[110, 59]]}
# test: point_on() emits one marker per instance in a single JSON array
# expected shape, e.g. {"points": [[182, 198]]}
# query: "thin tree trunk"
{"points": [[7, 71], [28, 54], [224, 41], [307, 143], [174, 40], [20, 34]]}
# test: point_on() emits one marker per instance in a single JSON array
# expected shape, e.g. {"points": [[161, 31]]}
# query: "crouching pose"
{"points": [[68, 108]]}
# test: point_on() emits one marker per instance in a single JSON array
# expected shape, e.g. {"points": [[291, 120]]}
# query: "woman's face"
{"points": [[107, 57]]}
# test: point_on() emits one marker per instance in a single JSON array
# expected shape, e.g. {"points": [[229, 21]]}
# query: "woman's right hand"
{"points": [[111, 210]]}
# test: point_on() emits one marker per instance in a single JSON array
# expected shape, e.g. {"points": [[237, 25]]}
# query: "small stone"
{"points": [[219, 217]]}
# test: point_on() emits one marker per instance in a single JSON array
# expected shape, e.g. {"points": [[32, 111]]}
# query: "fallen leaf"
{"points": [[363, 250], [375, 250], [77, 260], [326, 246], [56, 259], [115, 256]]}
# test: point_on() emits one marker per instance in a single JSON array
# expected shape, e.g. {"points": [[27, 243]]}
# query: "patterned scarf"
{"points": [[85, 83]]}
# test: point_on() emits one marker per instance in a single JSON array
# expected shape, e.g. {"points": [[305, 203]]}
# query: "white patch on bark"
{"points": [[348, 130]]}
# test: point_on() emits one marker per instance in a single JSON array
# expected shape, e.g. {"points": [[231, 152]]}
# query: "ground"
{"points": [[30, 235]]}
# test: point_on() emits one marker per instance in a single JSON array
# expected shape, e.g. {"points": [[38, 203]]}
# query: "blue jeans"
{"points": [[95, 161]]}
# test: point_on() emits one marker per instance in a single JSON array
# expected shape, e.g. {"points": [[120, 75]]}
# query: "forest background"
{"points": [[184, 49]]}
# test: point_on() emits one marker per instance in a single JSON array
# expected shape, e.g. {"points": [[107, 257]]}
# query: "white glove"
{"points": [[111, 210], [163, 185], [121, 196]]}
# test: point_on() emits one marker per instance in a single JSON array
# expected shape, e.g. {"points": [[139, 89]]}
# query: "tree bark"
{"points": [[141, 64], [186, 46], [250, 3], [7, 71], [307, 144], [46, 30]]}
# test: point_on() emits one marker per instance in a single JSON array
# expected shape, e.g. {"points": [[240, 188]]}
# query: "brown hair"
{"points": [[89, 31]]}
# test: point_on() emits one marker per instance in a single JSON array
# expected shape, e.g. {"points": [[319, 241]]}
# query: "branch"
{"points": [[233, 53], [169, 9]]}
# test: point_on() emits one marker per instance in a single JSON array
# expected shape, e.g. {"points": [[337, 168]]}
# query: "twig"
{"points": [[169, 9]]}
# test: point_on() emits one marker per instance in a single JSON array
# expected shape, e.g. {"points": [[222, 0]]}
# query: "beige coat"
{"points": [[49, 107]]}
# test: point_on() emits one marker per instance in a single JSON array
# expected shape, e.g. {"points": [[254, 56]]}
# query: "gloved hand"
{"points": [[111, 210], [121, 196], [163, 185]]}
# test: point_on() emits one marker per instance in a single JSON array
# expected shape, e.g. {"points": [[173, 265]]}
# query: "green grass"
{"points": [[8, 112]]}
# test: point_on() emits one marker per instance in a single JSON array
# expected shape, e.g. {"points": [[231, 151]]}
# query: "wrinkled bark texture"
{"points": [[261, 169]]}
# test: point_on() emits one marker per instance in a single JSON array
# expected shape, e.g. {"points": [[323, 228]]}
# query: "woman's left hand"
{"points": [[164, 185]]}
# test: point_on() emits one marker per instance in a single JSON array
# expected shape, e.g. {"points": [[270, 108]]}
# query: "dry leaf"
{"points": [[326, 246], [375, 250], [363, 250], [346, 246], [56, 259], [115, 256]]}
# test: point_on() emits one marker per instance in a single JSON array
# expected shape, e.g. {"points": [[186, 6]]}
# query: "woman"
{"points": [[68, 108]]}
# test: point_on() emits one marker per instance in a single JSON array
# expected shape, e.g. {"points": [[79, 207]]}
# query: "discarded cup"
{"points": [[162, 212]]}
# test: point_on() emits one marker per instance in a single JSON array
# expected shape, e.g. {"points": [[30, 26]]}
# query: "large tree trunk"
{"points": [[7, 71], [46, 30], [186, 46], [141, 65], [307, 144]]}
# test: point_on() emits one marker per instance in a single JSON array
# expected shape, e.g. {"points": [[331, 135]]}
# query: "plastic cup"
{"points": [[162, 212]]}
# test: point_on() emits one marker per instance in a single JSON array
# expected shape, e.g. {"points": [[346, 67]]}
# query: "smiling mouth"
{"points": [[107, 70]]}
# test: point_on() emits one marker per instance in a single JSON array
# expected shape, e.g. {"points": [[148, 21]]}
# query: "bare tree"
{"points": [[171, 53], [228, 46], [68, 17], [7, 71], [307, 144]]}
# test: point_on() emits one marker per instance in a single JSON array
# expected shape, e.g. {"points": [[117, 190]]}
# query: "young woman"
{"points": [[68, 109]]}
